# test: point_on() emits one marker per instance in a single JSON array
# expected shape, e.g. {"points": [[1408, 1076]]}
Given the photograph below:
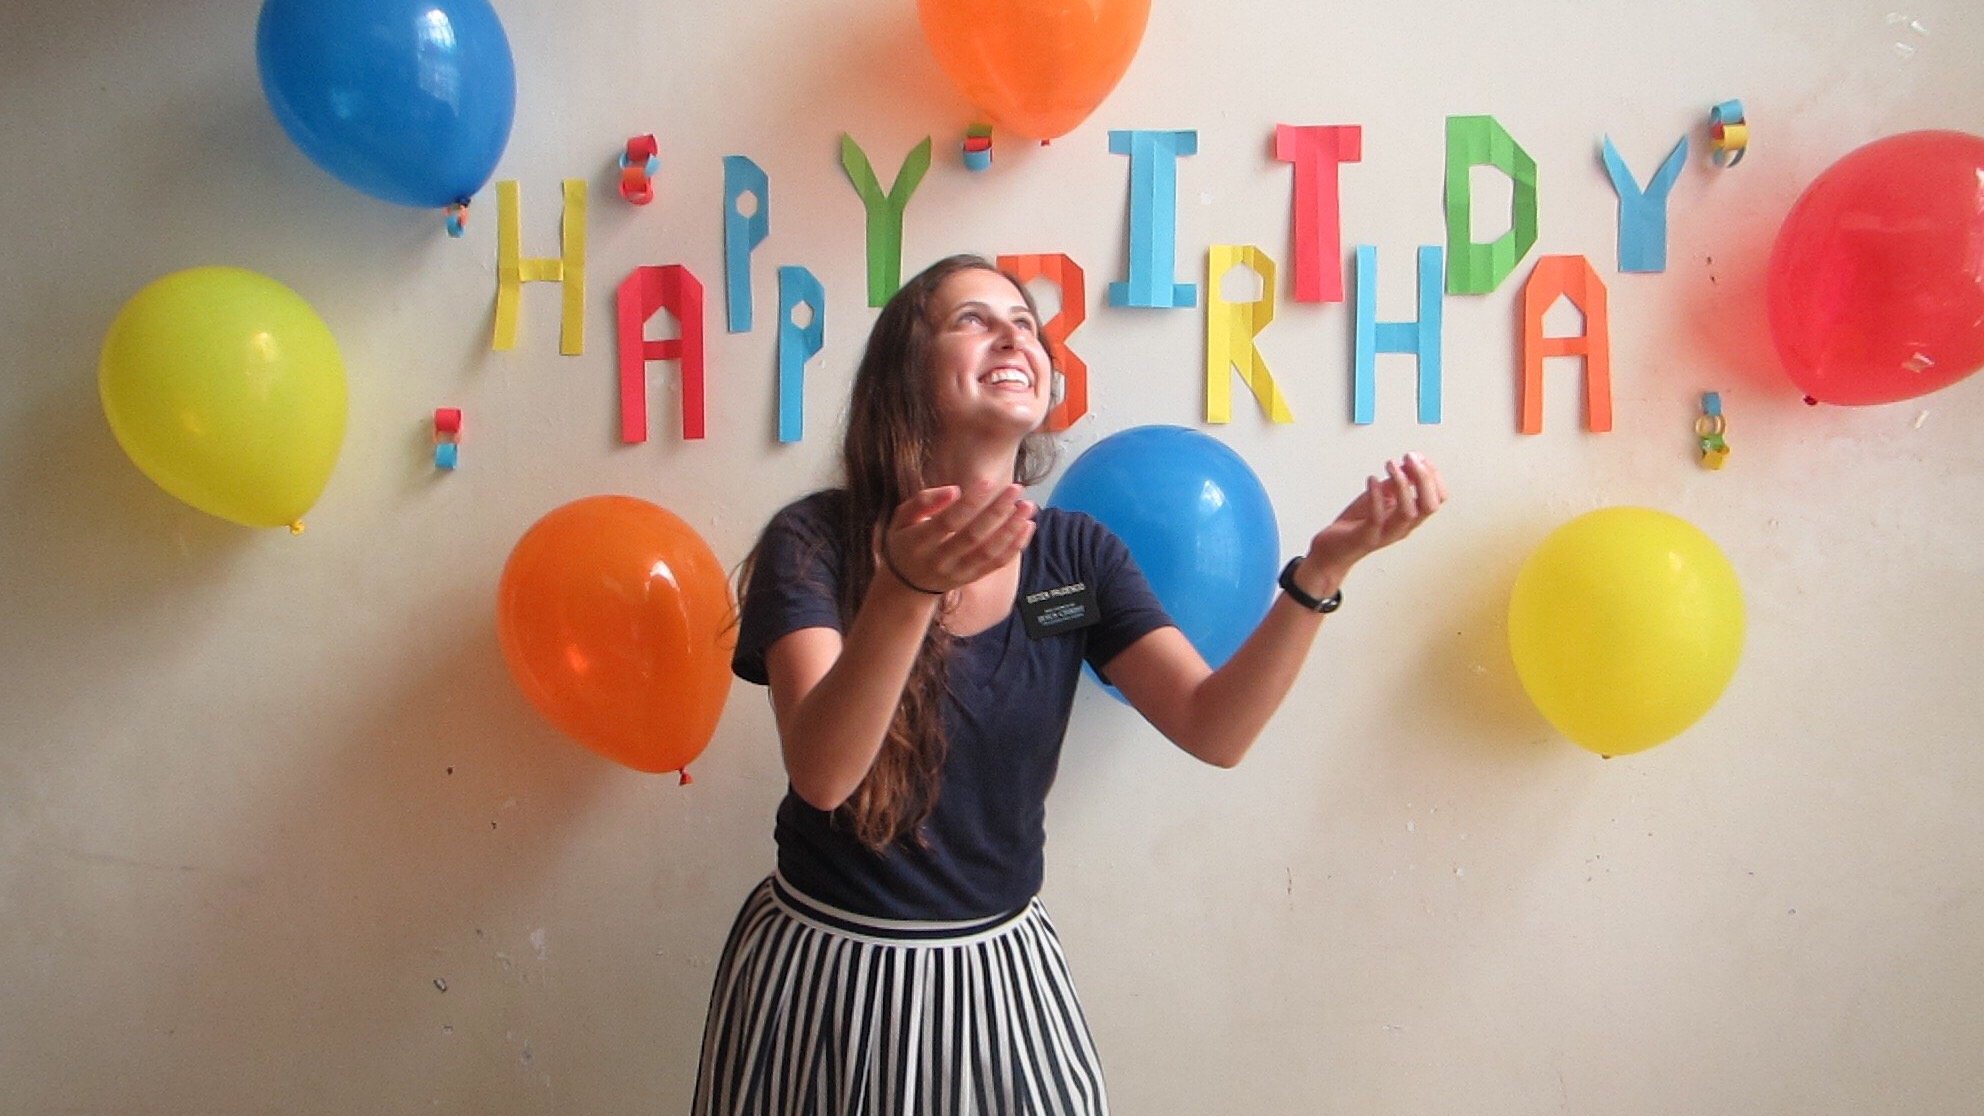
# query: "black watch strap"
{"points": [[1325, 604]]}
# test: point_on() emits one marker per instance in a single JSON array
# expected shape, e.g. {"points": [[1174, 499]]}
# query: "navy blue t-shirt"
{"points": [[1010, 695]]}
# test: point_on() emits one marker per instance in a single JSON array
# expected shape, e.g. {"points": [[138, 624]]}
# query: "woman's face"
{"points": [[991, 368]]}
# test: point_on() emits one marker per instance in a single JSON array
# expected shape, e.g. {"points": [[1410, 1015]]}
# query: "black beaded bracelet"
{"points": [[889, 561]]}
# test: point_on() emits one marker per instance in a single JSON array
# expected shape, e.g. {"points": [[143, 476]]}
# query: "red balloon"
{"points": [[615, 620], [1876, 282]]}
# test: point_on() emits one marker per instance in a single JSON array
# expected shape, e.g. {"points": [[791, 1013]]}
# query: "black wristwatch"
{"points": [[1326, 604]]}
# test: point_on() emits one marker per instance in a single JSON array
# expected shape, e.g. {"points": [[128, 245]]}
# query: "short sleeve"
{"points": [[1130, 610], [793, 585]]}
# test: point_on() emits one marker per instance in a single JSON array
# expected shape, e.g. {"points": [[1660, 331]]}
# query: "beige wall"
{"points": [[259, 794]]}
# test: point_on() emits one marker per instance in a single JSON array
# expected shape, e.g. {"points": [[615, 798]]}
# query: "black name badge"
{"points": [[1051, 612]]}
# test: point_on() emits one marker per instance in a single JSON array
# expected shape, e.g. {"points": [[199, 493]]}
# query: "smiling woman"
{"points": [[991, 368], [922, 630]]}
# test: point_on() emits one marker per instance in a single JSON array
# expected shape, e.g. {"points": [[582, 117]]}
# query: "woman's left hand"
{"points": [[1387, 511]]}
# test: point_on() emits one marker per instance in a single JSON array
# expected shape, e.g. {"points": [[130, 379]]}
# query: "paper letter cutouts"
{"points": [[884, 212], [646, 289], [1318, 151], [1474, 141], [1153, 219], [796, 345], [1230, 331], [741, 176], [1643, 215], [1065, 274], [513, 270], [1568, 277], [1421, 337]]}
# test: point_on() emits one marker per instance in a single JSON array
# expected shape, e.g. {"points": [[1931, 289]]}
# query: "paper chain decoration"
{"points": [[1729, 136], [639, 163], [447, 437], [1709, 429], [978, 147]]}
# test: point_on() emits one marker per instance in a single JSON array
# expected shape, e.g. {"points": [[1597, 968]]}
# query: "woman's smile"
{"points": [[987, 346]]}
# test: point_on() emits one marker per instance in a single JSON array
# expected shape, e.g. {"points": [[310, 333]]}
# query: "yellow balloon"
{"points": [[227, 389], [1625, 624]]}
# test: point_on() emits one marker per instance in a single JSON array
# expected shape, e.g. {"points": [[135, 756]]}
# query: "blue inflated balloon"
{"points": [[1196, 519], [407, 100]]}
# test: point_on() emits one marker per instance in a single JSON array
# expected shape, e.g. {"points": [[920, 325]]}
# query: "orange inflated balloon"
{"points": [[615, 620], [1037, 67]]}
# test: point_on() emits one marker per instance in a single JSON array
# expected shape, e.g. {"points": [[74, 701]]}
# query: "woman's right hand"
{"points": [[944, 538], [836, 693]]}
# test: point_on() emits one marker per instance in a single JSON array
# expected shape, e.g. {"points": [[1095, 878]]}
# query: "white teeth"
{"points": [[1009, 376]]}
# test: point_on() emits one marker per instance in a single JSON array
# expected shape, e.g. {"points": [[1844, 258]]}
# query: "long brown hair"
{"points": [[892, 430]]}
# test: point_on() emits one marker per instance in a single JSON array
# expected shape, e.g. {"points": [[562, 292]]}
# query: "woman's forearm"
{"points": [[1231, 706], [831, 737]]}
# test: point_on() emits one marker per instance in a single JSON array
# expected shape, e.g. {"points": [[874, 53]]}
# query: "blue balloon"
{"points": [[407, 100], [1196, 519]]}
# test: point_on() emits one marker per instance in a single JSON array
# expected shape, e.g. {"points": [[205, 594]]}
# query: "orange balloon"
{"points": [[615, 620], [1037, 67]]}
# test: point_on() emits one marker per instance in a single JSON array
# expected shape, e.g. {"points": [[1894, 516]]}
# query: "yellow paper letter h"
{"points": [[513, 270]]}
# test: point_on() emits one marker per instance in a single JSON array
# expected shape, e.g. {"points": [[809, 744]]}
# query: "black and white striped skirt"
{"points": [[820, 1011]]}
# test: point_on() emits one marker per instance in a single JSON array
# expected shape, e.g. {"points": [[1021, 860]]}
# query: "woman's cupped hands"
{"points": [[1390, 508], [947, 537]]}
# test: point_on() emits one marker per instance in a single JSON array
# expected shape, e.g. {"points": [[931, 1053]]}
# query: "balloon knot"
{"points": [[296, 528], [686, 780]]}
